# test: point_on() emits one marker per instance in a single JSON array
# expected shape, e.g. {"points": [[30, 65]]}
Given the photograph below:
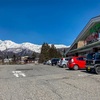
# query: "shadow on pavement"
{"points": [[75, 70], [82, 70], [69, 69], [89, 72]]}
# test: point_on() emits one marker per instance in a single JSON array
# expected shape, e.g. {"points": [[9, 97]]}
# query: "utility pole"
{"points": [[6, 50], [64, 52]]}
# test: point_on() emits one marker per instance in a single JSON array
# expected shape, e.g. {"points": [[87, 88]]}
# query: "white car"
{"points": [[48, 62], [63, 62]]}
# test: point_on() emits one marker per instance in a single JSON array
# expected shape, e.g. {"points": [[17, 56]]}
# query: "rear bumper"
{"points": [[89, 66], [70, 65]]}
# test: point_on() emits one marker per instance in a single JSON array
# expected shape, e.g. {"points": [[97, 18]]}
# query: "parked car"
{"points": [[58, 63], [93, 63], [76, 63], [45, 62], [54, 61], [63, 62], [48, 62]]}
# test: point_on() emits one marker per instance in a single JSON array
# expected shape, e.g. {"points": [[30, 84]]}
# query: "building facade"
{"points": [[88, 40]]}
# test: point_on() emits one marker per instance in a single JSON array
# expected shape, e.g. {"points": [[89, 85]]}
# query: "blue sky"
{"points": [[51, 21]]}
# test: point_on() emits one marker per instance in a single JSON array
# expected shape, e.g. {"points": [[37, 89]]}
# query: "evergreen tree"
{"points": [[44, 55], [14, 58], [34, 55], [54, 53], [59, 54], [48, 53]]}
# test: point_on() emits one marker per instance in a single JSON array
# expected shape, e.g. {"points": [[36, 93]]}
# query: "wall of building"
{"points": [[80, 44]]}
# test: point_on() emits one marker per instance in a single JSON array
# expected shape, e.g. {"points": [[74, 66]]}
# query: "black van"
{"points": [[93, 63], [54, 61]]}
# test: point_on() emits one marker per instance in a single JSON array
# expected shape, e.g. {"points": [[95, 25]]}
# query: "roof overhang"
{"points": [[86, 48], [82, 33]]}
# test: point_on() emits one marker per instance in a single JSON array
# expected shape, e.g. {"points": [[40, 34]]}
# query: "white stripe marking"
{"points": [[82, 75], [18, 73], [22, 74]]}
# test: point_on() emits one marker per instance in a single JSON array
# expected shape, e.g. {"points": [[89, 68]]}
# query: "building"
{"points": [[88, 40]]}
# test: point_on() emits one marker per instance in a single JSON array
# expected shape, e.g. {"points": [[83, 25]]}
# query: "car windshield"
{"points": [[90, 56], [81, 58], [55, 59], [97, 56]]}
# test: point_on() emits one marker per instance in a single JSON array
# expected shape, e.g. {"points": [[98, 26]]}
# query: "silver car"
{"points": [[63, 62]]}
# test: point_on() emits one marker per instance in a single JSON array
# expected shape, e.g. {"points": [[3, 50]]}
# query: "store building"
{"points": [[88, 40]]}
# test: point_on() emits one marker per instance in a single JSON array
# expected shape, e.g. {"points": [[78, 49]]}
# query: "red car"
{"points": [[76, 63]]}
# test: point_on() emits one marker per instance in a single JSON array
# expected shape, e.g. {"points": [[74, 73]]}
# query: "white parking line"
{"points": [[82, 75], [18, 73]]}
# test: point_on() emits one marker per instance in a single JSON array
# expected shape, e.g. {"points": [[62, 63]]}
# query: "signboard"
{"points": [[94, 34], [92, 38]]}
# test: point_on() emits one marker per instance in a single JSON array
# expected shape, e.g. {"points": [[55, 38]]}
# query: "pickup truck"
{"points": [[93, 62]]}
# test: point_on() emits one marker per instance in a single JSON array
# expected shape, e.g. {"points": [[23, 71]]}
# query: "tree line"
{"points": [[48, 52]]}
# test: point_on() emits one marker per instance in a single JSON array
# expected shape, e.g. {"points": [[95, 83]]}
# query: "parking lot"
{"points": [[46, 82]]}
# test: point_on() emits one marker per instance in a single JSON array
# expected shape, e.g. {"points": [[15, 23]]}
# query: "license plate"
{"points": [[88, 68]]}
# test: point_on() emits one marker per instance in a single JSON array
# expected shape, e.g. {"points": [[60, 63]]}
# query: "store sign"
{"points": [[92, 38], [94, 34]]}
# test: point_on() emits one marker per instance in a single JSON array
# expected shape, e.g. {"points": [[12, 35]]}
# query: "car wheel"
{"points": [[75, 67], [97, 70], [64, 66]]}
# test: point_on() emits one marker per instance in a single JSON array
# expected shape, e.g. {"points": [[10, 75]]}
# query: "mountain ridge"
{"points": [[8, 45]]}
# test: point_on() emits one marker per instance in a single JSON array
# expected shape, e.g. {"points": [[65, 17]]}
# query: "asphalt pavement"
{"points": [[45, 82]]}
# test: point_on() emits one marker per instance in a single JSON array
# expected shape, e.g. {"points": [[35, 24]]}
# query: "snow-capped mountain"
{"points": [[9, 45], [32, 47], [9, 48]]}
